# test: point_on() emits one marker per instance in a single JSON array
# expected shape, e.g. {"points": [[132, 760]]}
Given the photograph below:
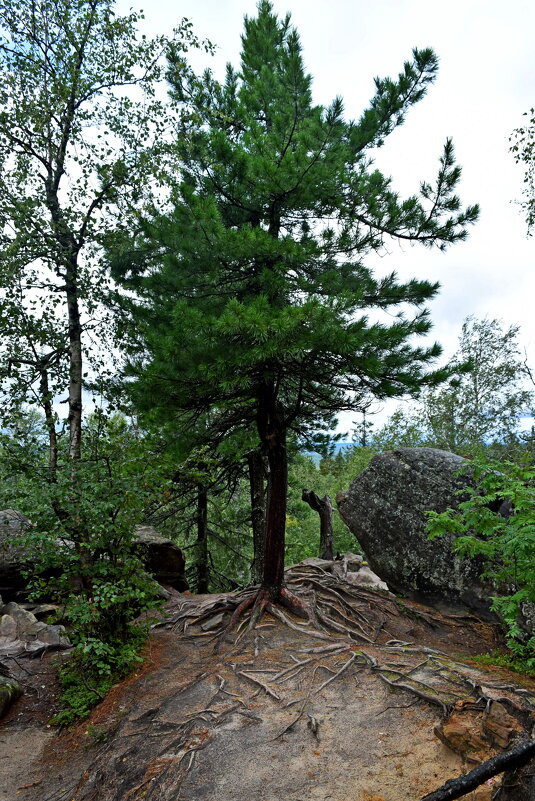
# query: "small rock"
{"points": [[352, 560], [8, 628], [213, 623], [366, 578], [463, 736], [500, 726]]}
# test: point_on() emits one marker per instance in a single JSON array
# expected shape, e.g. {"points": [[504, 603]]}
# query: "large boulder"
{"points": [[12, 561], [21, 633], [385, 508], [161, 557]]}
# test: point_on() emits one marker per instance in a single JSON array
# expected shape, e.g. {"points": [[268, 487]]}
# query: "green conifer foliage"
{"points": [[253, 295]]}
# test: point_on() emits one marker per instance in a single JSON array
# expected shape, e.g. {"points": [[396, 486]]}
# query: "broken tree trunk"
{"points": [[455, 788], [323, 506]]}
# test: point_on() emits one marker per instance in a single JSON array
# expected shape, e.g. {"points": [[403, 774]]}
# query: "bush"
{"points": [[507, 544], [80, 548], [93, 669]]}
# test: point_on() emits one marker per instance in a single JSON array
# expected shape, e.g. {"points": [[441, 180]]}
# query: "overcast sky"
{"points": [[486, 82]]}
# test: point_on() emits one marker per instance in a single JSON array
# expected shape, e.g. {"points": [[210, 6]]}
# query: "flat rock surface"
{"points": [[19, 769], [288, 711]]}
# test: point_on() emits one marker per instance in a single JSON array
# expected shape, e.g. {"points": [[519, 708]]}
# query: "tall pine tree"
{"points": [[254, 298]]}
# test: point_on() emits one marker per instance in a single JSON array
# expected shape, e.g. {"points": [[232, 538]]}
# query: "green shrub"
{"points": [[93, 669], [80, 548], [507, 660], [507, 544]]}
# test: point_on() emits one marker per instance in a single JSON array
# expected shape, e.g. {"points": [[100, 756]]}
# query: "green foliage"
{"points": [[99, 734], [230, 538], [479, 412], [506, 543], [78, 106], [250, 282], [508, 660], [229, 546], [523, 148], [328, 477], [403, 429], [81, 544], [93, 669], [484, 404]]}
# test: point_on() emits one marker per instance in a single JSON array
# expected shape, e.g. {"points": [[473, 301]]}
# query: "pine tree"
{"points": [[253, 294]]}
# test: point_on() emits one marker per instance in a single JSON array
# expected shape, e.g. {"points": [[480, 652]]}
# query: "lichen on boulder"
{"points": [[385, 508], [10, 690]]}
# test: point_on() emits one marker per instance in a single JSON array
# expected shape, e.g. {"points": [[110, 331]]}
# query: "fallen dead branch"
{"points": [[455, 788]]}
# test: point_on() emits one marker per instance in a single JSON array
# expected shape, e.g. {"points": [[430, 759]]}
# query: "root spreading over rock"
{"points": [[356, 702]]}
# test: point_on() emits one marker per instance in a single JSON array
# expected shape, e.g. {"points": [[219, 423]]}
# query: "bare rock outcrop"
{"points": [[386, 507], [12, 555], [161, 556]]}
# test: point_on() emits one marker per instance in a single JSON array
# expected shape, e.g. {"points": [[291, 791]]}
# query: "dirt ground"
{"points": [[282, 712]]}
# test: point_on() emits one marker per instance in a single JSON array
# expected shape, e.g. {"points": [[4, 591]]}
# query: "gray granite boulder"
{"points": [[385, 509], [21, 633], [161, 556], [12, 556]]}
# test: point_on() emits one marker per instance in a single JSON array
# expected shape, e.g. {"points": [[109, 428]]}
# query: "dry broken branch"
{"points": [[455, 788]]}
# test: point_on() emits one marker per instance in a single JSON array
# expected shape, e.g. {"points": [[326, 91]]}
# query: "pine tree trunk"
{"points": [[273, 573], [323, 506], [255, 461], [272, 433], [202, 540]]}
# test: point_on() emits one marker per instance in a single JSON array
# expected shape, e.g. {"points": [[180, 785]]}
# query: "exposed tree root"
{"points": [[264, 600], [328, 606]]}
